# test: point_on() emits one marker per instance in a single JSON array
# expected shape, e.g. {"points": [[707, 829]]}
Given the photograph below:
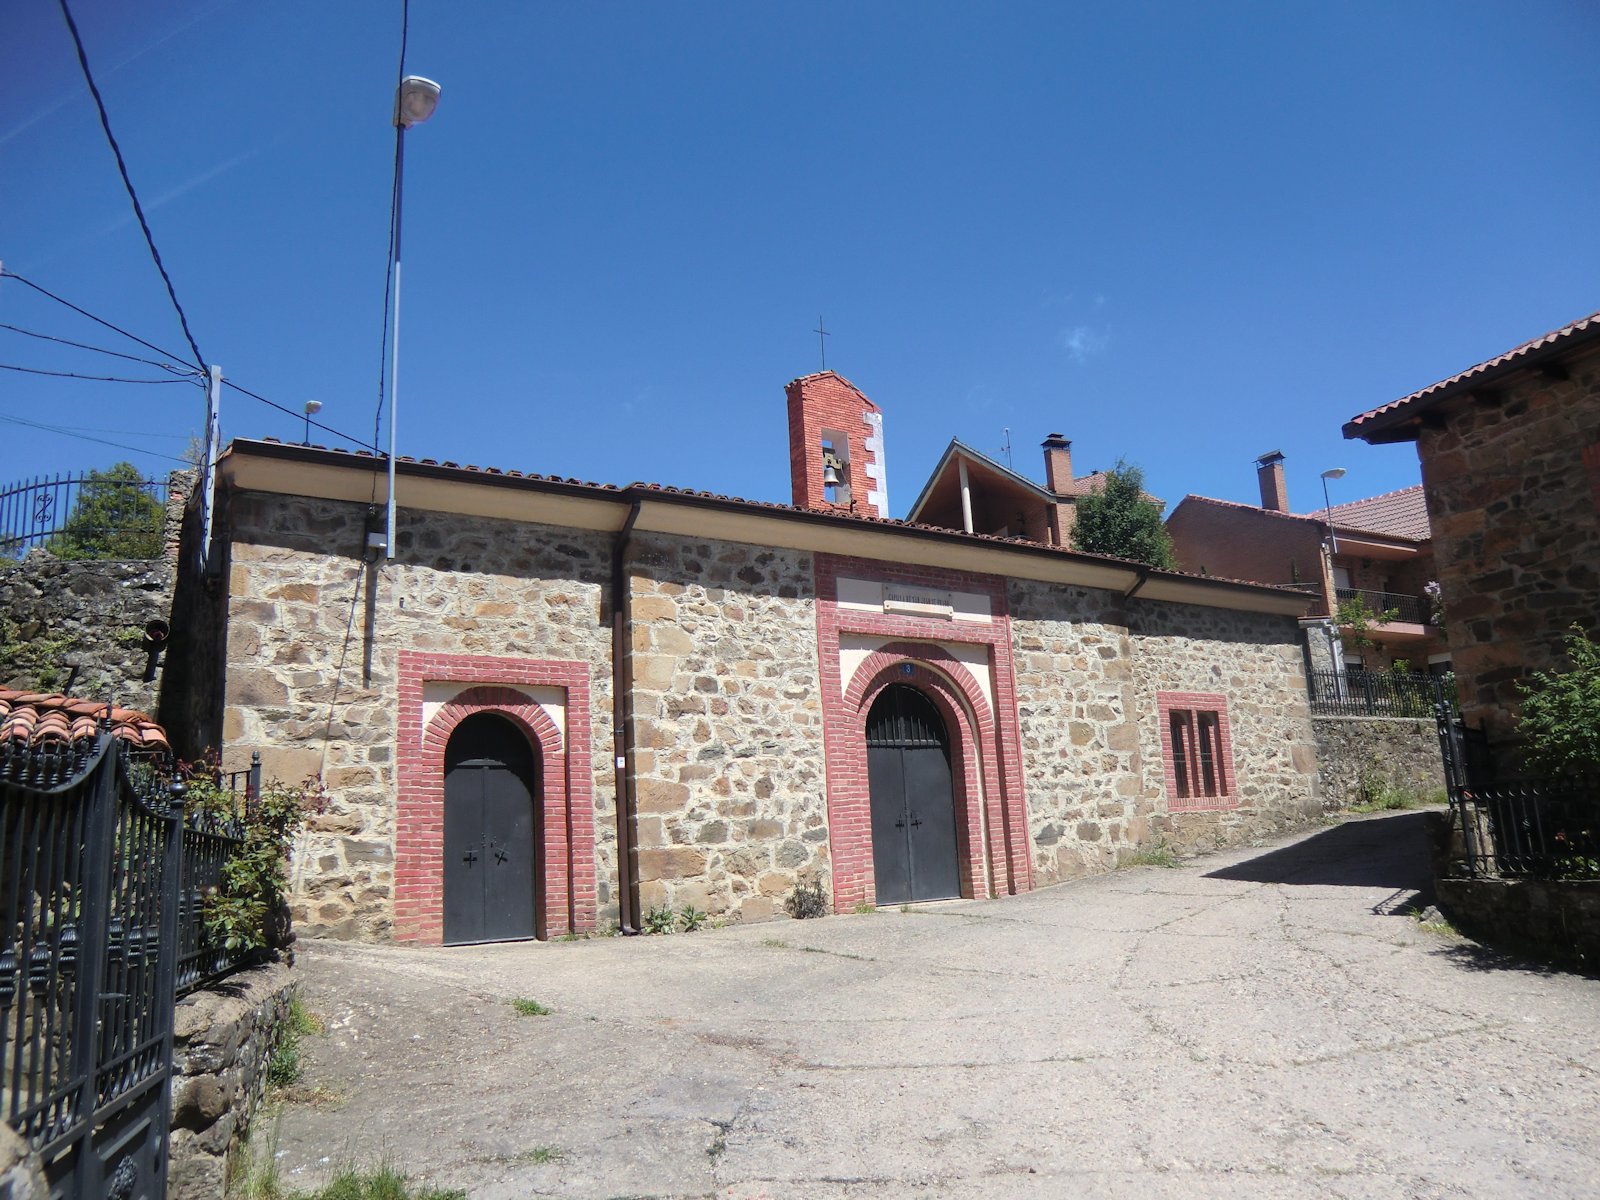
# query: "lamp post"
{"points": [[1327, 508], [414, 102], [1340, 684], [313, 407]]}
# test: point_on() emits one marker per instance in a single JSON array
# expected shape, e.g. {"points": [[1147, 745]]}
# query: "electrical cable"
{"points": [[83, 312], [75, 375], [122, 167], [298, 416], [188, 372], [83, 437]]}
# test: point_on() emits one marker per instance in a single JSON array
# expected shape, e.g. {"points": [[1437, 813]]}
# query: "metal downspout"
{"points": [[622, 724]]}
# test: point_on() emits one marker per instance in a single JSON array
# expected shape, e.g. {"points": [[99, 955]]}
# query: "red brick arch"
{"points": [[949, 684], [564, 866]]}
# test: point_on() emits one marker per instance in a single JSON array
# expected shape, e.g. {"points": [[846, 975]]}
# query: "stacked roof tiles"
{"points": [[37, 718]]}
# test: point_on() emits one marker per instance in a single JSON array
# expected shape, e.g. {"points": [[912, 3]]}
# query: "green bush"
{"points": [[114, 517], [1561, 713]]}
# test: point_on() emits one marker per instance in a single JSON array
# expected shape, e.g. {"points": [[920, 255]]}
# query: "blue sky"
{"points": [[1180, 234]]}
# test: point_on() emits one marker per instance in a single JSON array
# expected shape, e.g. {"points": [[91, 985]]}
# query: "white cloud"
{"points": [[1081, 341]]}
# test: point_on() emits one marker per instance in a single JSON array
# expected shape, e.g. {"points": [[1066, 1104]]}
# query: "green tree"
{"points": [[1561, 713], [1120, 519], [114, 517]]}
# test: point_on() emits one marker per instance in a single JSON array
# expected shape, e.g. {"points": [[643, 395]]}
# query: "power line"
{"points": [[298, 416], [122, 167], [94, 378], [188, 372], [83, 312], [83, 437]]}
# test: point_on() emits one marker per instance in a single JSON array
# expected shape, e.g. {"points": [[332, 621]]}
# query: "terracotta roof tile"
{"points": [[1388, 414], [1397, 514], [39, 717]]}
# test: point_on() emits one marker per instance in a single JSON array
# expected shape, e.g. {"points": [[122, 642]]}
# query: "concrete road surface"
{"points": [[1263, 1023]]}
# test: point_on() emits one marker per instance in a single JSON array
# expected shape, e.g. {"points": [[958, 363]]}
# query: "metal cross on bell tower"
{"points": [[822, 345]]}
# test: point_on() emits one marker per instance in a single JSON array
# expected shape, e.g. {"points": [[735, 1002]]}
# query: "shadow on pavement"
{"points": [[1386, 852], [1474, 956]]}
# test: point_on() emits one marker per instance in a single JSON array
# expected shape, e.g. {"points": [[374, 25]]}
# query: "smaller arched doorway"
{"points": [[915, 853], [491, 820]]}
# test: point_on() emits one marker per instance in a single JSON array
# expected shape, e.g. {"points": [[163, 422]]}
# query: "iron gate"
{"points": [[90, 850]]}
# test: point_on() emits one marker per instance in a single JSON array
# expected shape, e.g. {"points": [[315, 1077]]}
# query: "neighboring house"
{"points": [[1510, 453], [567, 703], [970, 491], [1379, 555]]}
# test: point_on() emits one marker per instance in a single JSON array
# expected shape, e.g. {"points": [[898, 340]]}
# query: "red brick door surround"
{"points": [[564, 868], [984, 750]]}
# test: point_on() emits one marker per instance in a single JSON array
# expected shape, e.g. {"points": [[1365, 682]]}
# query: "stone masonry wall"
{"points": [[460, 585], [1078, 722], [1087, 687], [1515, 511], [1256, 661], [728, 725], [223, 1039], [80, 627], [1357, 754]]}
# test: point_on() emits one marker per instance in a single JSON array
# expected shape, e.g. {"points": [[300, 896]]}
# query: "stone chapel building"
{"points": [[562, 704]]}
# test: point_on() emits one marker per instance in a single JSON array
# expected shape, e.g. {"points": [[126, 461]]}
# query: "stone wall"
{"points": [[223, 1040], [727, 714], [1358, 754], [1079, 727], [460, 585], [1256, 661], [1515, 512], [20, 1177], [1088, 675], [79, 627]]}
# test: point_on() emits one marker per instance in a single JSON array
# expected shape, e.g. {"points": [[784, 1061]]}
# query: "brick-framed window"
{"points": [[1197, 751]]}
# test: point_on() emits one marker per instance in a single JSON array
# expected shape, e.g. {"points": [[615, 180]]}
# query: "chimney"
{"points": [[835, 447], [1269, 474], [1057, 464]]}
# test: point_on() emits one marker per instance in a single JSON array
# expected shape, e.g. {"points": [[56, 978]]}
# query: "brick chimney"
{"points": [[1269, 474], [834, 428], [1057, 464], [1058, 479]]}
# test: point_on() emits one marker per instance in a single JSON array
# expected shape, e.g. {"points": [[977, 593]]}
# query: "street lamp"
{"points": [[414, 102], [313, 407], [1327, 508]]}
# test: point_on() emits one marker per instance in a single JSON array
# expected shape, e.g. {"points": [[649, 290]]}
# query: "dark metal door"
{"points": [[914, 848], [490, 831]]}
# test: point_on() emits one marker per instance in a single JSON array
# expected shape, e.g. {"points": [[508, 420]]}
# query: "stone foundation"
{"points": [[223, 1039]]}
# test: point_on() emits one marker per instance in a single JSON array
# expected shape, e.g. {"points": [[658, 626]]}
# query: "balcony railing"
{"points": [[1412, 610], [99, 514]]}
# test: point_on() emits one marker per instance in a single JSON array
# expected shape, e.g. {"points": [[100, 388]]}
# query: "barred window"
{"points": [[1197, 750]]}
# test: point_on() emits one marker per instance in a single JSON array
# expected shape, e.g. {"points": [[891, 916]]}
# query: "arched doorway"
{"points": [[914, 850], [491, 780]]}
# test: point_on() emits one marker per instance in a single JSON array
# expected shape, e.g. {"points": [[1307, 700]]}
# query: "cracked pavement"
{"points": [[1268, 1022]]}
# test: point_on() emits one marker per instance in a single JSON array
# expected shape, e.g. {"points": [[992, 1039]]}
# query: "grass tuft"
{"points": [[1159, 855], [531, 1008]]}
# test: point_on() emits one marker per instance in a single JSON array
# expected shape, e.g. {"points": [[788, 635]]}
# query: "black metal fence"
{"points": [[100, 514], [1544, 829], [1380, 693], [91, 851], [1516, 828], [211, 836]]}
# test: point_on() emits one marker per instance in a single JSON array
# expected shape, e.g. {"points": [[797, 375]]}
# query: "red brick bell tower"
{"points": [[836, 446]]}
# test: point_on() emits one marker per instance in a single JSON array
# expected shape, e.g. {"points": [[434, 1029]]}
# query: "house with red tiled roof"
{"points": [[541, 705], [1510, 455], [1375, 553]]}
